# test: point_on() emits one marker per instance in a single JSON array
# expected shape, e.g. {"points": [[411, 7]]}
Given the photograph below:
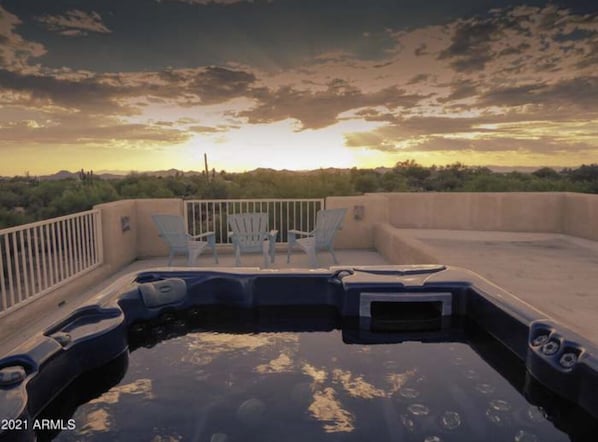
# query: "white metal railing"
{"points": [[284, 215], [39, 257]]}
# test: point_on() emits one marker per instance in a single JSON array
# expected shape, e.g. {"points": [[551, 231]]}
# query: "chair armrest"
{"points": [[203, 235], [209, 236], [272, 235], [300, 232]]}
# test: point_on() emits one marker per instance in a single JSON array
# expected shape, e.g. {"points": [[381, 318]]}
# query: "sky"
{"points": [[113, 85]]}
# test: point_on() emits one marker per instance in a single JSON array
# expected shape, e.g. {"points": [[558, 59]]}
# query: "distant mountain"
{"points": [[297, 172], [65, 175], [523, 169], [60, 175], [119, 174], [115, 174]]}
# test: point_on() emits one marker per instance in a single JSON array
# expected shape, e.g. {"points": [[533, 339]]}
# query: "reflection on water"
{"points": [[284, 386], [139, 386], [95, 421], [356, 386], [327, 409], [278, 365]]}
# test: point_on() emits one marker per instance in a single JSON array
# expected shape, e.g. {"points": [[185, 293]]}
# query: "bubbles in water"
{"points": [[408, 423], [485, 388], [525, 436], [409, 393], [494, 416], [432, 439], [536, 414], [450, 420], [500, 405], [418, 409], [251, 412]]}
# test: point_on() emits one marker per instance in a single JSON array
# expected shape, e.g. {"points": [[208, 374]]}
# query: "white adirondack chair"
{"points": [[249, 232], [172, 231], [328, 222]]}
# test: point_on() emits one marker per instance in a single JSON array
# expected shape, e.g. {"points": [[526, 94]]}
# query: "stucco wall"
{"points": [[120, 246], [140, 239], [512, 212], [358, 232], [399, 248], [148, 241], [581, 215]]}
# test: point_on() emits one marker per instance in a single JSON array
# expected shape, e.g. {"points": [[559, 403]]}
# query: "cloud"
{"points": [[217, 84], [210, 129], [580, 93], [461, 89], [15, 52], [318, 109], [471, 44], [87, 94], [419, 78], [75, 107], [75, 23], [546, 145], [480, 83], [512, 133], [482, 141], [127, 93], [70, 129], [522, 38]]}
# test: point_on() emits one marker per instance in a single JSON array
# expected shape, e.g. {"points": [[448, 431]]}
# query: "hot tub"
{"points": [[351, 353]]}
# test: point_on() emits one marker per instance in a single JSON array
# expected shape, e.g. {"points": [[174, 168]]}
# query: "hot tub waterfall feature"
{"points": [[240, 340]]}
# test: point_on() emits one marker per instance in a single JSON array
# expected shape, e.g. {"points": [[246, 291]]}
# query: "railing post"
{"points": [[99, 241]]}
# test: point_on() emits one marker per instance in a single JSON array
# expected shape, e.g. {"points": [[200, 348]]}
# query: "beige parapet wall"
{"points": [[581, 215], [120, 246], [400, 248], [550, 212], [128, 231], [363, 212], [508, 212]]}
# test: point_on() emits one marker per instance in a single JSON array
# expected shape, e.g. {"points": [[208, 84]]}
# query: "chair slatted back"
{"points": [[249, 229], [172, 230], [328, 222]]}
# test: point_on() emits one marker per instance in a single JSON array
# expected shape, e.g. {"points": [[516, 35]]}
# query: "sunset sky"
{"points": [[295, 84]]}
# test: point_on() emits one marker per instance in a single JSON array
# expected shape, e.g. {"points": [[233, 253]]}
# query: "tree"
{"points": [[546, 173]]}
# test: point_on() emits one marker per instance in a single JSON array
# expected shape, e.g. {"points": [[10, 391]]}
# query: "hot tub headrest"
{"points": [[160, 293]]}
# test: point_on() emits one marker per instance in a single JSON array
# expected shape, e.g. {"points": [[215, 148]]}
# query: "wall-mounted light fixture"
{"points": [[358, 212], [125, 223]]}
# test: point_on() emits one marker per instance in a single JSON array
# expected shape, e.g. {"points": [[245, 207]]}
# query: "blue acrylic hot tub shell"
{"points": [[97, 333]]}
